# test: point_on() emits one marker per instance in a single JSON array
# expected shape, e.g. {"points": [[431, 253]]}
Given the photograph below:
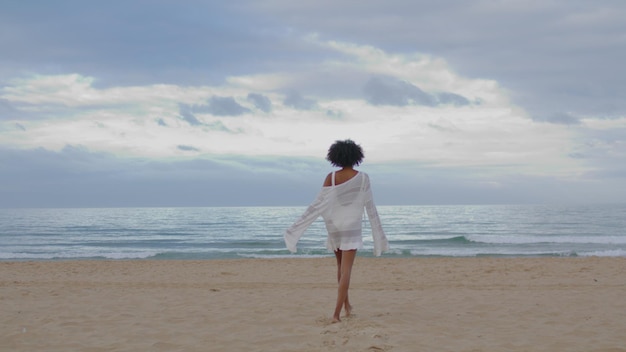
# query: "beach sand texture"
{"points": [[413, 304]]}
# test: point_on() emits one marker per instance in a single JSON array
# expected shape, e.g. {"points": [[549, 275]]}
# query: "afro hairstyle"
{"points": [[345, 153]]}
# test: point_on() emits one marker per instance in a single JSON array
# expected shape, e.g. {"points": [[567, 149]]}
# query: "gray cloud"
{"points": [[123, 44], [6, 110], [569, 59], [221, 108], [450, 99], [76, 177], [560, 118], [186, 112], [224, 106], [551, 56], [219, 126], [218, 106], [260, 101], [334, 114], [296, 101], [187, 148], [392, 91]]}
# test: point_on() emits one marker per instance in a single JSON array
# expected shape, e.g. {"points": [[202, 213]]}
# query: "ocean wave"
{"points": [[530, 239], [76, 256], [605, 253]]}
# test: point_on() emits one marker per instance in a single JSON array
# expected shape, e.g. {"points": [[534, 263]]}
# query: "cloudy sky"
{"points": [[222, 103]]}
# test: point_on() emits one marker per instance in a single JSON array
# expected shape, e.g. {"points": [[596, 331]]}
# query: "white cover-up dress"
{"points": [[342, 207]]}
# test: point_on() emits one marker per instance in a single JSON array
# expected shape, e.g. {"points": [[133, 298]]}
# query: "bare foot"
{"points": [[348, 310], [335, 320]]}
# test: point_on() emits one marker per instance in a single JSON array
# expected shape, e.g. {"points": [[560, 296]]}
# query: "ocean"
{"points": [[256, 232]]}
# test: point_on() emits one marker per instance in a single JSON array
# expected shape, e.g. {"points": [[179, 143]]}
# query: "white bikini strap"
{"points": [[362, 183], [333, 178]]}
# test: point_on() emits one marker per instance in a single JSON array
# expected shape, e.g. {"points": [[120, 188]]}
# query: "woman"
{"points": [[341, 202]]}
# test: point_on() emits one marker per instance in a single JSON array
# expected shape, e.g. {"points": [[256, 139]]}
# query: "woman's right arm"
{"points": [[294, 232]]}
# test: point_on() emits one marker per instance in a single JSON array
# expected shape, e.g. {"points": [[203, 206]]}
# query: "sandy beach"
{"points": [[421, 304]]}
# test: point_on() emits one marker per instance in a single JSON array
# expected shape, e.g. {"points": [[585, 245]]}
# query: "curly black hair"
{"points": [[345, 153]]}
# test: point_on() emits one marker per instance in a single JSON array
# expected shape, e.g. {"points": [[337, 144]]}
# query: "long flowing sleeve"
{"points": [[318, 207], [380, 239]]}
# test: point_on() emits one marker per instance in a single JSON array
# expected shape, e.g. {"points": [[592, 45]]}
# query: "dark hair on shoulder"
{"points": [[345, 153]]}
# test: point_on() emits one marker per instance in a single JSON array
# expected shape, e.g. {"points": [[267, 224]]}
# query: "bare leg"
{"points": [[346, 303], [345, 260]]}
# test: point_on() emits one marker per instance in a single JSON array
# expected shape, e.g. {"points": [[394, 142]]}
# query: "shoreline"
{"points": [[285, 304], [366, 254]]}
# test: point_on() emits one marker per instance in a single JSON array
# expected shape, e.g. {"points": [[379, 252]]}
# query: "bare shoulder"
{"points": [[328, 181]]}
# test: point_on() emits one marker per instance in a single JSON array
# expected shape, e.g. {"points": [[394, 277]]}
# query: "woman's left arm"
{"points": [[378, 234]]}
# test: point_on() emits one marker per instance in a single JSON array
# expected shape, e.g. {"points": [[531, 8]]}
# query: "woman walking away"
{"points": [[344, 196]]}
